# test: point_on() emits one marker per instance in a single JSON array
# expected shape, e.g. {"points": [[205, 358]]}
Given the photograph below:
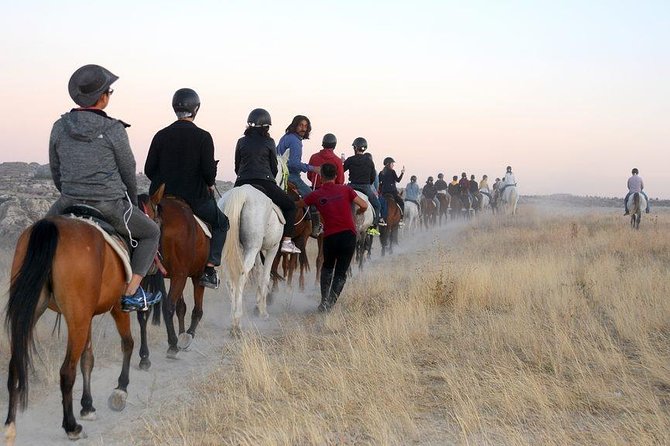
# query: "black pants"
{"points": [[278, 197], [338, 249], [398, 199], [207, 210]]}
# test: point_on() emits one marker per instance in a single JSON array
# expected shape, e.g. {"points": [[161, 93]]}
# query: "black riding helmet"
{"points": [[429, 180], [635, 171], [440, 176], [185, 103], [412, 178], [329, 141], [360, 143], [259, 117]]}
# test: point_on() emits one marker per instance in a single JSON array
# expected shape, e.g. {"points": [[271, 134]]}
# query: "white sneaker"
{"points": [[289, 247]]}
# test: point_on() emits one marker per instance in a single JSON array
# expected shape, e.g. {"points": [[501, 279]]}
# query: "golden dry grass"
{"points": [[515, 331]]}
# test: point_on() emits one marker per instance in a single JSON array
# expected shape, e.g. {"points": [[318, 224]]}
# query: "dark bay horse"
{"points": [[389, 233], [302, 230], [444, 200], [184, 248], [66, 265], [428, 212]]}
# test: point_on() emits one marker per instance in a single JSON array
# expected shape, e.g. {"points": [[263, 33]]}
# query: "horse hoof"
{"points": [[184, 341], [77, 434], [145, 364], [117, 400], [172, 353], [10, 433], [89, 416], [236, 332], [270, 298]]}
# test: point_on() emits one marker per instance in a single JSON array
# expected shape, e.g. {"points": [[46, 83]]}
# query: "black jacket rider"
{"points": [[361, 169]]}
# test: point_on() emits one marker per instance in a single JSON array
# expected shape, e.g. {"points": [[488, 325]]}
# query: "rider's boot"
{"points": [[140, 301], [210, 278], [326, 279], [336, 289], [317, 228]]}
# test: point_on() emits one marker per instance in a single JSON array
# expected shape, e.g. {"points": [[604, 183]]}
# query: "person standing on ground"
{"points": [[91, 163], [339, 242], [181, 156]]}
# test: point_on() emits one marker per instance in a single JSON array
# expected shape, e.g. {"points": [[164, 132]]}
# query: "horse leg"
{"points": [[236, 304], [142, 319], [78, 333], [262, 292], [86, 365], [185, 339], [117, 400], [169, 305], [180, 310]]}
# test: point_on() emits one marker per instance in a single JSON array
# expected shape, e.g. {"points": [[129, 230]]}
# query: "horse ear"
{"points": [[158, 195]]}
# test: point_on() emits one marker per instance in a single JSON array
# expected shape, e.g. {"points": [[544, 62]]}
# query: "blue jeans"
{"points": [[625, 200], [303, 188], [374, 200]]}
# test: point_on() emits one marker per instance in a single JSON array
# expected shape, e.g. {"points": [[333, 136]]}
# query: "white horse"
{"points": [[509, 198], [256, 228], [363, 222], [485, 202], [411, 215], [636, 205]]}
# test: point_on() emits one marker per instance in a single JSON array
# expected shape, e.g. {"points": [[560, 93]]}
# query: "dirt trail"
{"points": [[167, 379]]}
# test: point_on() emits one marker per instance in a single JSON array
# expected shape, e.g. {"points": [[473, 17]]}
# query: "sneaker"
{"points": [[382, 222], [289, 247], [373, 231], [140, 301], [210, 279]]}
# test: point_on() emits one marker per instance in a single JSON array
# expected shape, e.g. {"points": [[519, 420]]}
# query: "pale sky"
{"points": [[571, 94]]}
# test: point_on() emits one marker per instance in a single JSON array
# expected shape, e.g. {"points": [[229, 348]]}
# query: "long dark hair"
{"points": [[293, 127], [262, 131]]}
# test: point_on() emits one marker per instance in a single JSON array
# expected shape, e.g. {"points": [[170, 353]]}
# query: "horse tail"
{"points": [[24, 294], [232, 249], [636, 202]]}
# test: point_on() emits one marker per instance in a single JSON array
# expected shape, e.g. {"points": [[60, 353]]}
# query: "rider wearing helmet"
{"points": [[430, 192], [474, 192], [362, 175], [387, 183], [413, 191], [296, 132], [91, 161], [635, 184], [256, 163], [326, 155], [181, 156], [441, 185]]}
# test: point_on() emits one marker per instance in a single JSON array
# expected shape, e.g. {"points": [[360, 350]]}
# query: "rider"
{"points": [[256, 164], [474, 192], [484, 186], [635, 184], [361, 177], [464, 187], [296, 132], [413, 191], [326, 155], [430, 192], [181, 156], [441, 185], [387, 183], [508, 180], [91, 163], [339, 238]]}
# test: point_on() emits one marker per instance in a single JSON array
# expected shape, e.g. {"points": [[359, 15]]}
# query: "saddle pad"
{"points": [[116, 243], [278, 211], [203, 225]]}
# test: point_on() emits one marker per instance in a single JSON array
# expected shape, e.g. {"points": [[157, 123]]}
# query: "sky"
{"points": [[571, 94]]}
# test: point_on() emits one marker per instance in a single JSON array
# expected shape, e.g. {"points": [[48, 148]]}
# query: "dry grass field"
{"points": [[515, 331]]}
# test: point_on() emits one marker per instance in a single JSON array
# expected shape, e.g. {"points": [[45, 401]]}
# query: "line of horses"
{"points": [[65, 265]]}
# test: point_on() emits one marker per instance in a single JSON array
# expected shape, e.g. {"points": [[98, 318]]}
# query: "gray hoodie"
{"points": [[90, 157]]}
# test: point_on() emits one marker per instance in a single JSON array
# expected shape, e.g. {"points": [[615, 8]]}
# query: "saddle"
{"points": [[120, 244]]}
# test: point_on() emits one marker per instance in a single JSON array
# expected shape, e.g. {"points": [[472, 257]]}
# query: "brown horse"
{"points": [[184, 248], [389, 233], [444, 200], [66, 265], [428, 212], [301, 232]]}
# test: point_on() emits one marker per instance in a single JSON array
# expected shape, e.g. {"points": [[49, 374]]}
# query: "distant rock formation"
{"points": [[27, 192]]}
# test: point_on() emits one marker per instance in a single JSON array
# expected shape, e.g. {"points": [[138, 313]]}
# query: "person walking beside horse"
{"points": [[181, 156], [92, 163], [635, 185], [334, 202], [296, 132]]}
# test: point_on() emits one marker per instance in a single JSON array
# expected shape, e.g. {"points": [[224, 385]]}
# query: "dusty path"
{"points": [[167, 379]]}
